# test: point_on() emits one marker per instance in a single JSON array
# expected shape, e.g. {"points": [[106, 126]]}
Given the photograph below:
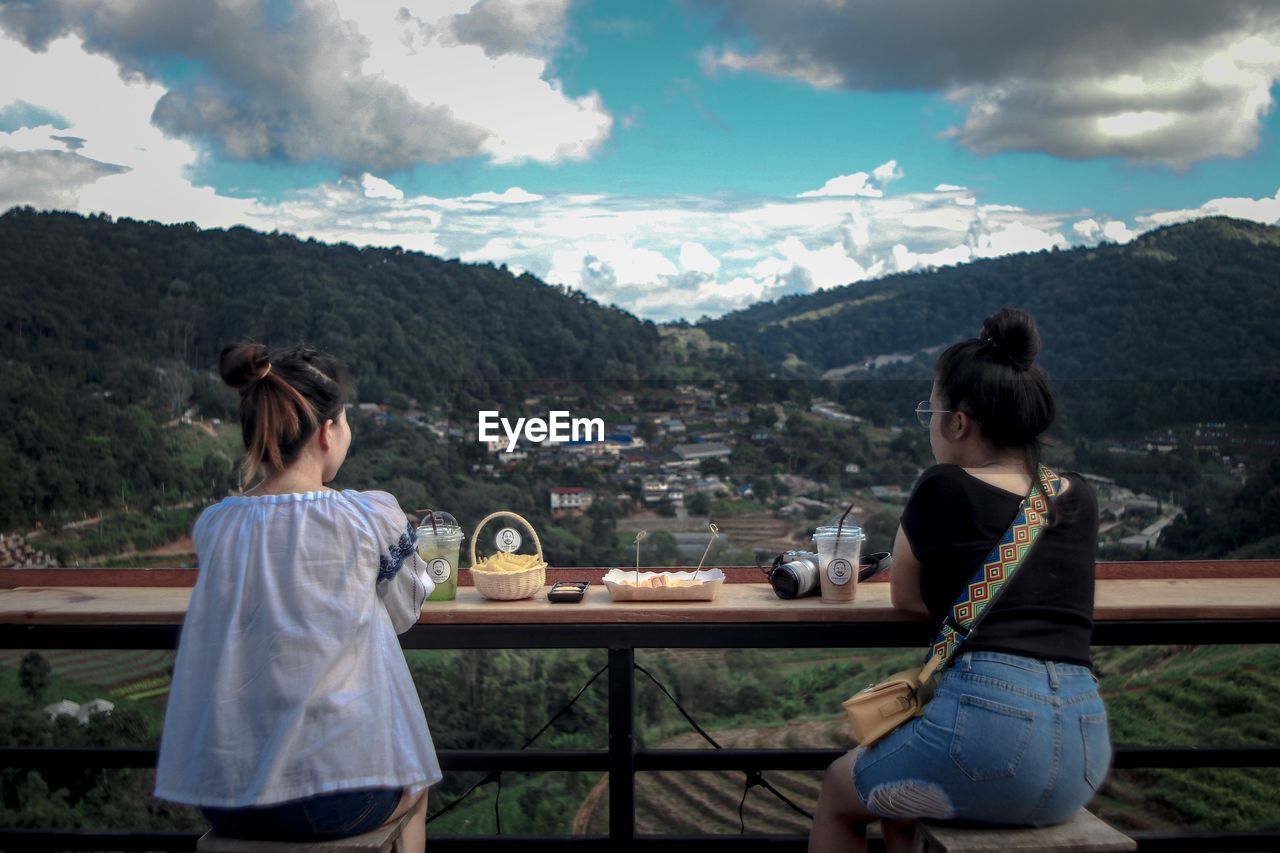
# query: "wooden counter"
{"points": [[1192, 599]]}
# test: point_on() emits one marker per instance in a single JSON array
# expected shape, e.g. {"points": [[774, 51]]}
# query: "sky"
{"points": [[676, 158]]}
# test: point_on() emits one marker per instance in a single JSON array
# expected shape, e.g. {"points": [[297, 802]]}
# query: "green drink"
{"points": [[439, 542]]}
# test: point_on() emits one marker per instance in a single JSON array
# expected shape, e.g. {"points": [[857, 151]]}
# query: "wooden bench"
{"points": [[1084, 833], [380, 840]]}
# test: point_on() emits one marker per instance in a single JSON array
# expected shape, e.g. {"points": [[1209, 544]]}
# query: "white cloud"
{"points": [[354, 82], [1179, 109], [140, 171], [513, 195], [48, 179], [497, 80], [1089, 229], [609, 269], [859, 183], [1264, 210], [1113, 230], [1170, 82], [828, 266], [886, 172], [1015, 237], [810, 70], [944, 218], [694, 257], [905, 260], [498, 27], [375, 187]]}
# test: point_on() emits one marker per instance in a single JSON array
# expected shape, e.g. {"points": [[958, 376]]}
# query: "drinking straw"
{"points": [[840, 526], [431, 514], [640, 534], [840, 529], [715, 531]]}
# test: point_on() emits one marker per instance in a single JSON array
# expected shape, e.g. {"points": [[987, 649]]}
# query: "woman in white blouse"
{"points": [[292, 714]]}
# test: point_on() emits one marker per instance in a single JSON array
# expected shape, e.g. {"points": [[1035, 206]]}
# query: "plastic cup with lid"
{"points": [[439, 544], [839, 549]]}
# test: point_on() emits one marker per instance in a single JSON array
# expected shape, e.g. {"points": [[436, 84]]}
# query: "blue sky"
{"points": [[678, 158]]}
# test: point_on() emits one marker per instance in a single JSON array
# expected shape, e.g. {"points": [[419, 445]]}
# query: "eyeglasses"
{"points": [[924, 414]]}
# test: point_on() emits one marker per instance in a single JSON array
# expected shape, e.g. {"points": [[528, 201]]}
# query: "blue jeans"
{"points": [[1007, 740], [323, 817]]}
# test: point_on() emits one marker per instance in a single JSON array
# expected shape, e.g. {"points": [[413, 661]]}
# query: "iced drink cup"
{"points": [[439, 544], [839, 550]]}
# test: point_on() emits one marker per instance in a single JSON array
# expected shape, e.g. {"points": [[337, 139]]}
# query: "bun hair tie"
{"points": [[263, 374]]}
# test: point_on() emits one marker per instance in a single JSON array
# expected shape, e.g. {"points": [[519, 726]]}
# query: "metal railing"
{"points": [[622, 760]]}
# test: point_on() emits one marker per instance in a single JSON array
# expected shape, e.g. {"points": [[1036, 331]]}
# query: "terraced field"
{"points": [[138, 675], [1173, 695], [1191, 696], [707, 801], [759, 530]]}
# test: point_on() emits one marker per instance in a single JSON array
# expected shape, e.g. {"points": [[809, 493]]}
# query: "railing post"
{"points": [[622, 749]]}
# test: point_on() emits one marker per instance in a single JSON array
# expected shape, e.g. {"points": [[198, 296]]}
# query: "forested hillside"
{"points": [[109, 328], [77, 292], [1193, 301]]}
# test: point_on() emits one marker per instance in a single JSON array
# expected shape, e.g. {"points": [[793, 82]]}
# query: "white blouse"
{"points": [[289, 680]]}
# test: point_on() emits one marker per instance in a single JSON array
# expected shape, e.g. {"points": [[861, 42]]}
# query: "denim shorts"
{"points": [[1007, 740], [320, 818]]}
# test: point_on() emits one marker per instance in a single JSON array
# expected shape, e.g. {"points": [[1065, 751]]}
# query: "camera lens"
{"points": [[786, 584]]}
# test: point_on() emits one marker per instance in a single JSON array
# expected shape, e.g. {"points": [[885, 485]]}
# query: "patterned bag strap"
{"points": [[994, 574]]}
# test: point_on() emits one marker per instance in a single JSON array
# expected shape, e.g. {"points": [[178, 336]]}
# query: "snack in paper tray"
{"points": [[655, 580], [635, 585], [631, 585]]}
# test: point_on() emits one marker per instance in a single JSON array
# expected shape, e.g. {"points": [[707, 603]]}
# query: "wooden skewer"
{"points": [[640, 534], [715, 531]]}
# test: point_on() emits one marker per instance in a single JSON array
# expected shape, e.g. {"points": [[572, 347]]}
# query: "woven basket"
{"points": [[508, 586]]}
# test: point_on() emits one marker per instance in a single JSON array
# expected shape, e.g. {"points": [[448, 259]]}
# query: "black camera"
{"points": [[794, 574]]}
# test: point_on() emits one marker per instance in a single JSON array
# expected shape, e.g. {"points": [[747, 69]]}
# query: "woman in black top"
{"points": [[1016, 733]]}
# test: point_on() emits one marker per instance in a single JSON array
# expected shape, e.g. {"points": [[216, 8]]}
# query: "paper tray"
{"points": [[709, 581]]}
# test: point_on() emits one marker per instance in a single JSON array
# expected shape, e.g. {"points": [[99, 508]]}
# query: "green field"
{"points": [[138, 680], [763, 698]]}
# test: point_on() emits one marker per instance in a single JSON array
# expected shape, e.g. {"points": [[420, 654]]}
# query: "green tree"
{"points": [[33, 675]]}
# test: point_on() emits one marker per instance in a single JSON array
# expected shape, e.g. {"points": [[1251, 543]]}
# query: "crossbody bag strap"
{"points": [[993, 576]]}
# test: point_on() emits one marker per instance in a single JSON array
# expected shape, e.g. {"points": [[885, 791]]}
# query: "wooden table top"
{"points": [[1200, 598]]}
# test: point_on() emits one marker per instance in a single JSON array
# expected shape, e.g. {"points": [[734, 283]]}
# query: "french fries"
{"points": [[503, 562]]}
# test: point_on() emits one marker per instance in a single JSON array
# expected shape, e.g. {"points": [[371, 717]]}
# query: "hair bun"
{"points": [[1011, 336], [242, 364]]}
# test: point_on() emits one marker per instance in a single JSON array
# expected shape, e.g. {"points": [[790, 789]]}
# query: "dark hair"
{"points": [[994, 378], [284, 397]]}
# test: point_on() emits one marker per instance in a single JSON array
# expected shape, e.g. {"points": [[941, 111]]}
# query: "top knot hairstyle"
{"points": [[1011, 336], [285, 395], [994, 378]]}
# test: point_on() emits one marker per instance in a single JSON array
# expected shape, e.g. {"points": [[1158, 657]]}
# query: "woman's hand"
{"points": [[904, 579]]}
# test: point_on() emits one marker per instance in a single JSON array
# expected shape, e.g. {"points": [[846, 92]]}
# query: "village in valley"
{"points": [[673, 458]]}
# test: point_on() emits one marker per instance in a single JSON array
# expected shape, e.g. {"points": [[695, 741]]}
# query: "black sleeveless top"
{"points": [[953, 520]]}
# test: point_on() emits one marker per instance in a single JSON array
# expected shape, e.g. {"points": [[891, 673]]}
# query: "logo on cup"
{"points": [[839, 571], [439, 570], [508, 539]]}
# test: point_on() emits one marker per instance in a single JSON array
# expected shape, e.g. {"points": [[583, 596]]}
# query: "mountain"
{"points": [[72, 286], [1192, 301], [109, 329]]}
